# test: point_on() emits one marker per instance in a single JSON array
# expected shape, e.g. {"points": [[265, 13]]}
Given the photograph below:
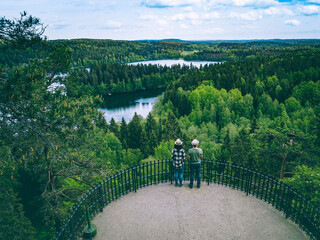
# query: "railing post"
{"points": [[143, 175], [100, 193], [171, 171], [208, 171], [90, 230], [248, 181], [134, 178], [288, 206]]}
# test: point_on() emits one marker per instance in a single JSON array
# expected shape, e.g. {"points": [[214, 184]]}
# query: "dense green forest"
{"points": [[261, 109], [88, 52]]}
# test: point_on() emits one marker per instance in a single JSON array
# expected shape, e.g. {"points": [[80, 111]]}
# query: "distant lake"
{"points": [[170, 62], [126, 104]]}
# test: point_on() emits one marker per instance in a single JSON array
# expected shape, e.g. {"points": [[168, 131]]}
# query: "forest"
{"points": [[260, 107]]}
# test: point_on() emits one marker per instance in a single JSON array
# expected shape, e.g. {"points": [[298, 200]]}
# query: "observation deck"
{"points": [[234, 202], [217, 212]]}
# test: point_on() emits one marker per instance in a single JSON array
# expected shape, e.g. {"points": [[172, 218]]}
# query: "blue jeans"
{"points": [[178, 175], [195, 168]]}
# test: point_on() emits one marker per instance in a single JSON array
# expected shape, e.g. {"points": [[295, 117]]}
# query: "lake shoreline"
{"points": [[126, 104]]}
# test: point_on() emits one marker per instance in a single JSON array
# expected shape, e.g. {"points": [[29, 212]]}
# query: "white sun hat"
{"points": [[178, 142], [194, 142]]}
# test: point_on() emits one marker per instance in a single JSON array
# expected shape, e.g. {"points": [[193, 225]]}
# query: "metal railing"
{"points": [[264, 187]]}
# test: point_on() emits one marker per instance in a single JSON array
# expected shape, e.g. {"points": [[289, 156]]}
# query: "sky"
{"points": [[166, 19]]}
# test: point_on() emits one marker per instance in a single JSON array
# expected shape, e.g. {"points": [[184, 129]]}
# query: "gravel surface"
{"points": [[212, 212]]}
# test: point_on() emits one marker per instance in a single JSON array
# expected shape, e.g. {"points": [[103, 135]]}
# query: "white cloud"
{"points": [[171, 3], [310, 9], [249, 16], [292, 22], [277, 11], [314, 1], [58, 25], [243, 3], [196, 22], [154, 18], [192, 17], [214, 30], [112, 25], [162, 22], [187, 9], [184, 26], [148, 17], [211, 15], [184, 16]]}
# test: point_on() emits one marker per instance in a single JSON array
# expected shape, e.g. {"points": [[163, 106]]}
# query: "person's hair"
{"points": [[178, 147], [194, 145]]}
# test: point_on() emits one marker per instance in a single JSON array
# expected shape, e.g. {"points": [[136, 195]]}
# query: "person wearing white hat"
{"points": [[195, 156], [178, 156]]}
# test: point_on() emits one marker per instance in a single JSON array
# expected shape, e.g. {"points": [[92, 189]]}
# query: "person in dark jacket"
{"points": [[178, 156]]}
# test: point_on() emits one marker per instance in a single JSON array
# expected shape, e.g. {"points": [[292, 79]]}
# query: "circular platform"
{"points": [[212, 212]]}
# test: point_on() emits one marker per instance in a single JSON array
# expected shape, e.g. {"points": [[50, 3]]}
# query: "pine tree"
{"points": [[171, 128], [135, 133], [151, 134], [13, 223], [114, 127], [123, 136]]}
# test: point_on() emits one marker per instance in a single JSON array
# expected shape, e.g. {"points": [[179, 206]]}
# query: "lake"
{"points": [[126, 104], [170, 62]]}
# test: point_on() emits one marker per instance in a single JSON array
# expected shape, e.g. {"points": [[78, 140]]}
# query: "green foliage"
{"points": [[307, 180], [135, 133], [13, 222], [23, 32], [163, 150]]}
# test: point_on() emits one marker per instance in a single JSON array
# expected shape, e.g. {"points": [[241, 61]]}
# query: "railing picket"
{"points": [[215, 167], [161, 171], [254, 185], [267, 196], [154, 172], [147, 174], [158, 173], [144, 176], [209, 171], [140, 178]]}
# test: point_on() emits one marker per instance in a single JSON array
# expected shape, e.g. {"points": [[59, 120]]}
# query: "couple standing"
{"points": [[194, 156]]}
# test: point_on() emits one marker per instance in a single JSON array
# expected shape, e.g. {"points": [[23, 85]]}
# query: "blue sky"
{"points": [[183, 19]]}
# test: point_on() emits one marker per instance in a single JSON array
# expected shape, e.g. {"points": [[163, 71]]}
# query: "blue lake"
{"points": [[125, 105]]}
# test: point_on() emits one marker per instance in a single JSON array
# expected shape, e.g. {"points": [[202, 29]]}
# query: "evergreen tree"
{"points": [[13, 222], [102, 123], [135, 135], [124, 133], [242, 150], [171, 128], [113, 127], [151, 134], [23, 32]]}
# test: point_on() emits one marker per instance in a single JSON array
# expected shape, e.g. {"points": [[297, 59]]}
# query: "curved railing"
{"points": [[264, 187]]}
